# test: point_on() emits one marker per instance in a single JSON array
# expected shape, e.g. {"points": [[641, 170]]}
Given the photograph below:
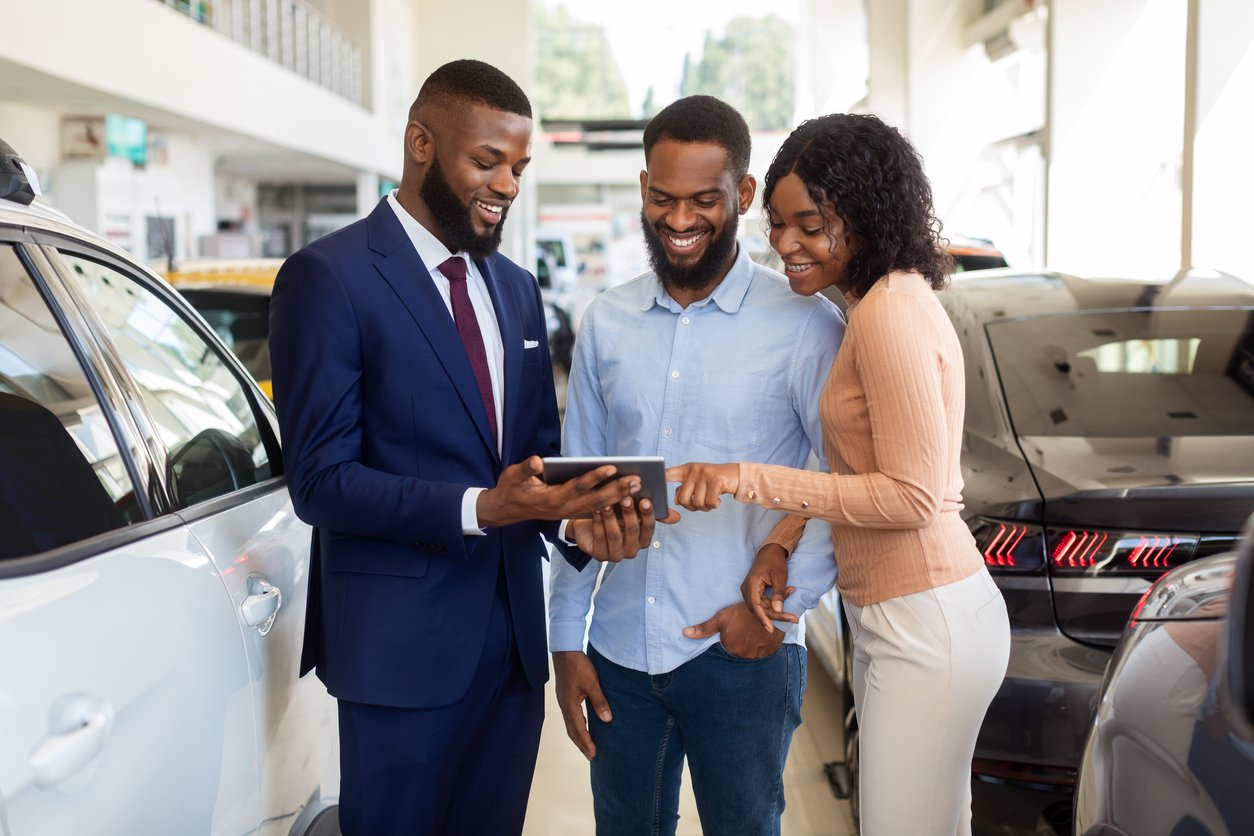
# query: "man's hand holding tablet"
{"points": [[620, 532]]}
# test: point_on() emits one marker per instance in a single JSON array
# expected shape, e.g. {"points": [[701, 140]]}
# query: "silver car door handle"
{"points": [[80, 727], [262, 604]]}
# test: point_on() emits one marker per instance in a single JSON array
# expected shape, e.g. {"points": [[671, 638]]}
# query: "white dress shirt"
{"points": [[433, 254]]}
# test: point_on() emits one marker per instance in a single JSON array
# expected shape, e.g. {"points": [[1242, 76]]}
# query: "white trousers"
{"points": [[925, 668]]}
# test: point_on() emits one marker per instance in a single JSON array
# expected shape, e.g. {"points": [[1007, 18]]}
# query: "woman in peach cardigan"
{"points": [[850, 206]]}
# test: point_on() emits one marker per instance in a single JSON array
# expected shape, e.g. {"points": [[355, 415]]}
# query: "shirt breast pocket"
{"points": [[731, 410]]}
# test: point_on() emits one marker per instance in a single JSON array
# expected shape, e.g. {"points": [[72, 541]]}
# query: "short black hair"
{"points": [[474, 82], [874, 178], [703, 119]]}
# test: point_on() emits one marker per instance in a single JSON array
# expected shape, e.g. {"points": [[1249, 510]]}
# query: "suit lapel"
{"points": [[409, 279], [507, 318]]}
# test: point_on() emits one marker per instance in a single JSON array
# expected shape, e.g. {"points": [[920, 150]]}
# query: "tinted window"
{"points": [[201, 410], [61, 477], [544, 274], [554, 248], [1160, 373], [242, 321]]}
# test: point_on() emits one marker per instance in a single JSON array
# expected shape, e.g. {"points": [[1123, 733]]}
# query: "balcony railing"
{"points": [[288, 32]]}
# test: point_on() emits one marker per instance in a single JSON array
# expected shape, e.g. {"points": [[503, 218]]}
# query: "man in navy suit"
{"points": [[415, 394]]}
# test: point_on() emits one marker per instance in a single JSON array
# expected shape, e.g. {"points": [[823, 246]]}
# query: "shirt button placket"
{"points": [[655, 657]]}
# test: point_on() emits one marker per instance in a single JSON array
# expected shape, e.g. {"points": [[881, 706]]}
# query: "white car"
{"points": [[152, 570]]}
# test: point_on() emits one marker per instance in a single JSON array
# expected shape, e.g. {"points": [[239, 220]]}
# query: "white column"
{"points": [[890, 61], [832, 57], [971, 119], [499, 34], [367, 192], [1223, 170], [949, 89], [1116, 136]]}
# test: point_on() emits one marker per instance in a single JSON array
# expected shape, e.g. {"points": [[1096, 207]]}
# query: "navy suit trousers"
{"points": [[459, 770]]}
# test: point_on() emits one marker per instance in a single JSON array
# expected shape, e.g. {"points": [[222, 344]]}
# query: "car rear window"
{"points": [[1129, 373]]}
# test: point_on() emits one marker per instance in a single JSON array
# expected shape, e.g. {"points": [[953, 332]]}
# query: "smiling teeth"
{"points": [[495, 210], [796, 268], [686, 242]]}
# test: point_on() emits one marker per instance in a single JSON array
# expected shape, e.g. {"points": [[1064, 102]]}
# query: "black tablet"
{"points": [[650, 469]]}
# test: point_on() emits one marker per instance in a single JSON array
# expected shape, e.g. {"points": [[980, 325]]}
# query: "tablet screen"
{"points": [[650, 469]]}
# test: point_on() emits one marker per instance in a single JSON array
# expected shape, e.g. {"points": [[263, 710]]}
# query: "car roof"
{"points": [[1009, 293], [255, 276], [41, 216]]}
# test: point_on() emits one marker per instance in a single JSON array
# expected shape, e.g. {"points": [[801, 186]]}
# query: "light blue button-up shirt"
{"points": [[733, 377]]}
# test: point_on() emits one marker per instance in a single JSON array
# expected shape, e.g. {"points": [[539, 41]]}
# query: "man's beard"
{"points": [[700, 273], [454, 217]]}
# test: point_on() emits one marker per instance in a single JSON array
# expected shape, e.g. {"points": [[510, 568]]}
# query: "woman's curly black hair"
{"points": [[874, 178]]}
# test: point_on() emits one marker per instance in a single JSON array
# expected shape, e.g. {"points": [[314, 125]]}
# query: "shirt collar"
{"points": [[429, 248], [728, 295]]}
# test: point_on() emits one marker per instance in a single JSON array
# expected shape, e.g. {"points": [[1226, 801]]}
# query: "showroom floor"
{"points": [[561, 801]]}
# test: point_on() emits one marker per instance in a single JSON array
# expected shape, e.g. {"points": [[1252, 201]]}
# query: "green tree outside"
{"points": [[576, 75], [750, 67]]}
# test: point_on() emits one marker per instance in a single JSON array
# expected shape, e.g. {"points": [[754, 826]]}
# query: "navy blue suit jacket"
{"points": [[383, 431]]}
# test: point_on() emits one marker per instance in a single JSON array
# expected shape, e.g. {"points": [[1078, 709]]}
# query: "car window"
{"points": [[242, 321], [62, 478], [1159, 373], [204, 416], [544, 273]]}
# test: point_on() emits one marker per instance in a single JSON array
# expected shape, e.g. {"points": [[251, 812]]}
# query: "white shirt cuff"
{"points": [[561, 534], [470, 514]]}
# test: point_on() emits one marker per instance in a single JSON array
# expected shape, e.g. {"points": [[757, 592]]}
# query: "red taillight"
{"points": [[1078, 549], [1001, 550], [1091, 551], [1009, 546], [1153, 552]]}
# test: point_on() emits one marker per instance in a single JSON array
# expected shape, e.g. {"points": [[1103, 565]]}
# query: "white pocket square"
{"points": [[531, 343]]}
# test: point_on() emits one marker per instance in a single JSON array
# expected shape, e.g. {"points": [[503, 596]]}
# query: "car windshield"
{"points": [[1129, 373], [242, 320]]}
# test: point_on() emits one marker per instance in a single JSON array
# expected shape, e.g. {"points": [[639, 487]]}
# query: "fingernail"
{"points": [[689, 631], [778, 606], [627, 502], [645, 505], [606, 716]]}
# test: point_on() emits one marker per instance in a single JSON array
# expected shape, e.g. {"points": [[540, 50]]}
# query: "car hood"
{"points": [[1203, 484]]}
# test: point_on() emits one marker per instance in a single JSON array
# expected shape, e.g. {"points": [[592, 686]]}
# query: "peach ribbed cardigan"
{"points": [[892, 411]]}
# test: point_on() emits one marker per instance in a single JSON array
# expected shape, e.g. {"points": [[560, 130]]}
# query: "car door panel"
{"points": [[219, 459], [121, 664], [262, 539], [120, 671]]}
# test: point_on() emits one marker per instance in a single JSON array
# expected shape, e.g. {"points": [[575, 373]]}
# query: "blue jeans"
{"points": [[733, 718]]}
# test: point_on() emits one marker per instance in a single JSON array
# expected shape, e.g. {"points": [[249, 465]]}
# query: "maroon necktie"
{"points": [[468, 326]]}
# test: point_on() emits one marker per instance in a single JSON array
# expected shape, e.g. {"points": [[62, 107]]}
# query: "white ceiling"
{"points": [[236, 154]]}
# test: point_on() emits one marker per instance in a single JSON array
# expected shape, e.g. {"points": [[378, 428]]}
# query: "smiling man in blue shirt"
{"points": [[710, 356]]}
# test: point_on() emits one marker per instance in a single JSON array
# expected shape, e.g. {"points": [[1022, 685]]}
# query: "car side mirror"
{"points": [[211, 463], [1240, 670]]}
